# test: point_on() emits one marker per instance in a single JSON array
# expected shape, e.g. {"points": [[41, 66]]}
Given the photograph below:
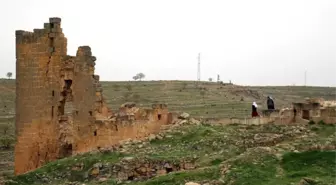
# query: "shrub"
{"points": [[321, 122], [311, 122], [128, 87], [314, 128], [6, 141], [5, 128]]}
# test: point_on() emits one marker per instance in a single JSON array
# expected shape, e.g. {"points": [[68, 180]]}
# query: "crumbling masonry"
{"points": [[60, 110]]}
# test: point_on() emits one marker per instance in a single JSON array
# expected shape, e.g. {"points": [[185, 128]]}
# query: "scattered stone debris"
{"points": [[184, 116], [135, 169], [191, 183], [307, 181]]}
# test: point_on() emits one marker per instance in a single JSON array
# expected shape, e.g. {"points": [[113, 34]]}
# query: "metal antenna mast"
{"points": [[305, 78], [199, 67]]}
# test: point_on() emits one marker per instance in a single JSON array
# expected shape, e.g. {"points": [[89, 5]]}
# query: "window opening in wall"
{"points": [[168, 170], [68, 84], [53, 93], [90, 113], [305, 114], [52, 111], [159, 116], [76, 112], [95, 133], [66, 150], [61, 109]]}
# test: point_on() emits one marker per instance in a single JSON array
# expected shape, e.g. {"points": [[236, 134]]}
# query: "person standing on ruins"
{"points": [[270, 103], [254, 110]]}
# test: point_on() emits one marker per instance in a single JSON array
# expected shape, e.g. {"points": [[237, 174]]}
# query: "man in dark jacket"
{"points": [[270, 103]]}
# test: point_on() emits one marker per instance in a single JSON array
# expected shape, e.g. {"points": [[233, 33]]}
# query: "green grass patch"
{"points": [[250, 172], [62, 168], [310, 163], [180, 178]]}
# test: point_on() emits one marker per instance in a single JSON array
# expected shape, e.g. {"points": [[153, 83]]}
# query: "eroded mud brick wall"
{"points": [[60, 110], [58, 97], [84, 90], [38, 56]]}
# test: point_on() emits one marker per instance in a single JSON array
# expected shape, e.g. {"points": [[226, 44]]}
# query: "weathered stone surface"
{"points": [[60, 108], [184, 116], [191, 183]]}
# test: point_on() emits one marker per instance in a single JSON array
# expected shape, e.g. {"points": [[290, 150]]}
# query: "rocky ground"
{"points": [[192, 153]]}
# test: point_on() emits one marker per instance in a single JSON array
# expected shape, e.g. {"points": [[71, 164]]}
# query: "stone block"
{"points": [[19, 32], [56, 30], [93, 58], [96, 77], [46, 26], [55, 20], [52, 35]]}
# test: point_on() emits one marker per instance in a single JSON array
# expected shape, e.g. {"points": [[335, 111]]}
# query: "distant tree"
{"points": [[141, 76], [210, 79], [135, 78], [9, 75]]}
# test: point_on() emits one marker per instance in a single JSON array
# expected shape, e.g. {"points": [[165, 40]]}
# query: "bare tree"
{"points": [[210, 79], [141, 76], [136, 77], [9, 75]]}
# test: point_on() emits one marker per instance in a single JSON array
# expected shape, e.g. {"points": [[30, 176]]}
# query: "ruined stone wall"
{"points": [[60, 107], [37, 92], [55, 91]]}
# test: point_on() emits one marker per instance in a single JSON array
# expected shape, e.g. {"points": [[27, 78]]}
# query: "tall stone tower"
{"points": [[38, 62], [57, 97]]}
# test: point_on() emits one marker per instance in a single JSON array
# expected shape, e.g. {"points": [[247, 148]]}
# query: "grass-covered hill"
{"points": [[205, 154], [205, 99]]}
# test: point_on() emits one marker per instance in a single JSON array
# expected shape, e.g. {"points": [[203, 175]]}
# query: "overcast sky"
{"points": [[251, 42]]}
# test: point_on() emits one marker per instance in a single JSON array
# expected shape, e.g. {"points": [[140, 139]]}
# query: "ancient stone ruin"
{"points": [[60, 109]]}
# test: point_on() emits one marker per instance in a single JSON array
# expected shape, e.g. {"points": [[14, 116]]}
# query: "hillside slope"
{"points": [[208, 99], [206, 154], [216, 101]]}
